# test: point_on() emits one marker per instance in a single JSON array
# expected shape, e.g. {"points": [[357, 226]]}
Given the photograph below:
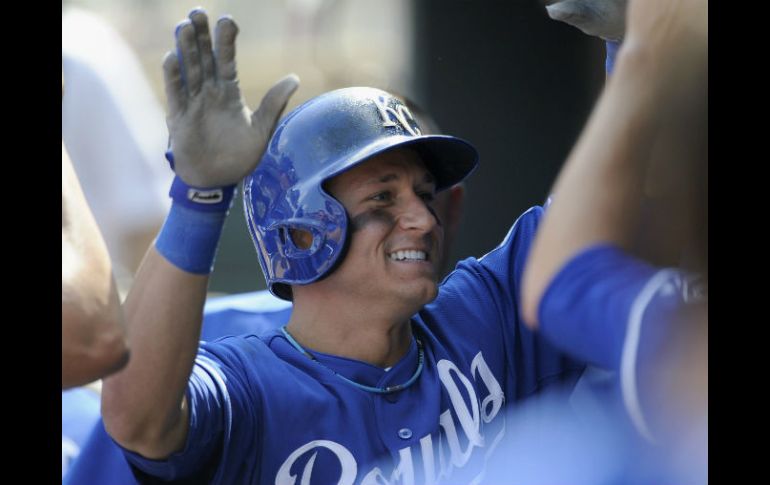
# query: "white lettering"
{"points": [[469, 419], [488, 454], [375, 477], [346, 460], [496, 396], [468, 412], [428, 465], [458, 456], [405, 469]]}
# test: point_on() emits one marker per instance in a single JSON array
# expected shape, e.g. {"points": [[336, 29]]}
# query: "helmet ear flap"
{"points": [[283, 290], [300, 240], [343, 249]]}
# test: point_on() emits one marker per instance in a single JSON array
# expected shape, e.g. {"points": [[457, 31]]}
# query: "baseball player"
{"points": [[379, 376], [101, 460]]}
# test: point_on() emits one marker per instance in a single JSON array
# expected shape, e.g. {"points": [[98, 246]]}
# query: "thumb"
{"points": [[273, 104]]}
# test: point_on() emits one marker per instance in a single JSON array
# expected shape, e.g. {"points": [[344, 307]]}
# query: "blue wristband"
{"points": [[190, 235], [189, 238], [217, 199], [612, 50]]}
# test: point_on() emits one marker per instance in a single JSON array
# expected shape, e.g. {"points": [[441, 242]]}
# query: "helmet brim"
{"points": [[450, 159]]}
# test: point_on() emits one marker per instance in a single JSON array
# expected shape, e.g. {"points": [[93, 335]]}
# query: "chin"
{"points": [[427, 294]]}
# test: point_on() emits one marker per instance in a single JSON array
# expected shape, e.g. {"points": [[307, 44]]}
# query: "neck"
{"points": [[358, 335]]}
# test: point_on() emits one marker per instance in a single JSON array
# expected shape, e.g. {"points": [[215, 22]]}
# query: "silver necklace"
{"points": [[377, 390]]}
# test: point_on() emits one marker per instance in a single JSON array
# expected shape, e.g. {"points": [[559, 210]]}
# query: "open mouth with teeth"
{"points": [[409, 255]]}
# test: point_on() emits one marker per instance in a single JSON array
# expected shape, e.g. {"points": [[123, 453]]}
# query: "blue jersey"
{"points": [[262, 412], [101, 461], [80, 411], [83, 435], [244, 313], [617, 313]]}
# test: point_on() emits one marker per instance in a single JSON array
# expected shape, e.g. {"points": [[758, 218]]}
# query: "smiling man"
{"points": [[390, 268], [381, 375]]}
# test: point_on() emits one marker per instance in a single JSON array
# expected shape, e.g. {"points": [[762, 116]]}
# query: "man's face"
{"points": [[395, 237]]}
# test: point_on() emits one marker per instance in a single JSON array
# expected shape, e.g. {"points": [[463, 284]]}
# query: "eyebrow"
{"points": [[382, 179], [428, 179]]}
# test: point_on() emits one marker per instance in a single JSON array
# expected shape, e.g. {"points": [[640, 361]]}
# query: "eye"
{"points": [[427, 196], [385, 196]]}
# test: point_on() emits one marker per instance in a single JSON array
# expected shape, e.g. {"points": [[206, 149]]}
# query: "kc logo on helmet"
{"points": [[403, 117]]}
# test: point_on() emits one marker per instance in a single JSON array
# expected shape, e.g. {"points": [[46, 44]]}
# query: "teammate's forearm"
{"points": [[93, 336], [597, 193]]}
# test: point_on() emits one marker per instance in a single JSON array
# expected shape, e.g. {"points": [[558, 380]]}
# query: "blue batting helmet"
{"points": [[316, 141]]}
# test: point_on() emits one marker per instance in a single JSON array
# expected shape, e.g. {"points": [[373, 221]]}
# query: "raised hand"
{"points": [[216, 140]]}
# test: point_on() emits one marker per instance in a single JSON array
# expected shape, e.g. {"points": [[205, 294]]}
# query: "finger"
{"points": [[201, 23], [175, 91], [224, 48], [273, 104], [187, 50], [568, 11]]}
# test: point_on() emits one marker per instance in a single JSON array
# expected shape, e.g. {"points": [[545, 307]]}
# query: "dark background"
{"points": [[505, 77]]}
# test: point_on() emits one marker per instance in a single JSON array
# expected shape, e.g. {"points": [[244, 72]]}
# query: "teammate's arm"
{"points": [[93, 341], [215, 140], [649, 99]]}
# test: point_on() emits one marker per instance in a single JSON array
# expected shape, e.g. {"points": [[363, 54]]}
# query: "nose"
{"points": [[417, 215]]}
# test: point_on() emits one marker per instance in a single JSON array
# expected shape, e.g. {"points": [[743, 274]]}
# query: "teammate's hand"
{"points": [[600, 18], [216, 139]]}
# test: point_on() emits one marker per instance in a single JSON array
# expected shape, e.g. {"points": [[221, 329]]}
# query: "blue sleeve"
{"points": [[79, 413], [216, 398], [599, 299], [615, 311], [101, 461], [484, 294], [243, 313]]}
